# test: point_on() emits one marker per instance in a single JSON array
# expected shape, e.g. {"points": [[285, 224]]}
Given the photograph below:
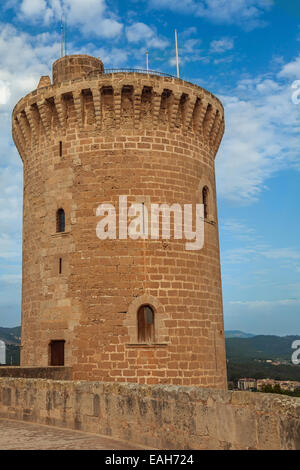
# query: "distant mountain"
{"points": [[237, 334], [262, 370], [275, 348], [240, 347], [246, 357], [11, 335]]}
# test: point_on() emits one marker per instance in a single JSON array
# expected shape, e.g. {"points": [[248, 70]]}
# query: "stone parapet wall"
{"points": [[74, 67], [160, 416]]}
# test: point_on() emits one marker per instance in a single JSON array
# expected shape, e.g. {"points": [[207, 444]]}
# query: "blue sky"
{"points": [[244, 51]]}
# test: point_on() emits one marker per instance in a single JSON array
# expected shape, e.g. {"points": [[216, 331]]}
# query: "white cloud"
{"points": [[282, 253], [112, 57], [90, 16], [246, 13], [238, 230], [291, 70], [190, 46], [79, 11], [224, 60], [256, 251], [11, 278], [188, 32], [189, 51], [29, 57], [33, 7], [266, 304], [9, 248], [19, 74], [261, 138], [266, 317], [221, 45], [4, 92], [142, 33]]}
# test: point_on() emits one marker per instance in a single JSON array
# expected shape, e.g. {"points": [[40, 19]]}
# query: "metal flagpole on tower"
{"points": [[177, 61], [65, 36], [61, 39], [147, 61]]}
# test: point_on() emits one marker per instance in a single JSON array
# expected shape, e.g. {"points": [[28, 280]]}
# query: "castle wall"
{"points": [[151, 138], [160, 416]]}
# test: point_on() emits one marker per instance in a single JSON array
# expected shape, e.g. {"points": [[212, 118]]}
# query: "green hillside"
{"points": [[243, 351], [10, 335], [237, 334], [257, 370], [275, 348]]}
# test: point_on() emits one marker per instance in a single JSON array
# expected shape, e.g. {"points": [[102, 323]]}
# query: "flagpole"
{"points": [[177, 61], [65, 36], [61, 39]]}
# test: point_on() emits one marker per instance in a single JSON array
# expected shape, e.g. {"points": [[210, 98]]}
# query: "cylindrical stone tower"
{"points": [[146, 311]]}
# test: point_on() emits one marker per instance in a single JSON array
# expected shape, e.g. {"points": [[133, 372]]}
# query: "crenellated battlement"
{"points": [[115, 103]]}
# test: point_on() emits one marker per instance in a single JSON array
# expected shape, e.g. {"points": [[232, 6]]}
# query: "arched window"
{"points": [[60, 220], [145, 324], [205, 192]]}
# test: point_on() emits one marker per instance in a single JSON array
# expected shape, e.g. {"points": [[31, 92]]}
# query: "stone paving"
{"points": [[18, 435]]}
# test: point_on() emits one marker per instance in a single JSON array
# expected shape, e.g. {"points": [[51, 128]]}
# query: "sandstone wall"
{"points": [[159, 416]]}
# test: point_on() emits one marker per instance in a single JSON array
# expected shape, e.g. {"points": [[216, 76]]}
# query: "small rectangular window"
{"points": [[60, 148], [57, 353], [60, 265]]}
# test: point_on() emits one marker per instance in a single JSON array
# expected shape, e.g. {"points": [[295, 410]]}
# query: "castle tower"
{"points": [[146, 311]]}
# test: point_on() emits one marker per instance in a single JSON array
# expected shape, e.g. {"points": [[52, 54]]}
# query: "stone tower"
{"points": [[145, 311]]}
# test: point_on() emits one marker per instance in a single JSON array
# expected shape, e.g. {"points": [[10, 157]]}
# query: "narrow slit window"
{"points": [[60, 221], [60, 148], [60, 266], [205, 201], [145, 324], [143, 218]]}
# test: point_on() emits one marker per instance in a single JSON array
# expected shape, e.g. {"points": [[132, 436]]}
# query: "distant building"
{"points": [[264, 382], [287, 385], [247, 384], [2, 352], [231, 385]]}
